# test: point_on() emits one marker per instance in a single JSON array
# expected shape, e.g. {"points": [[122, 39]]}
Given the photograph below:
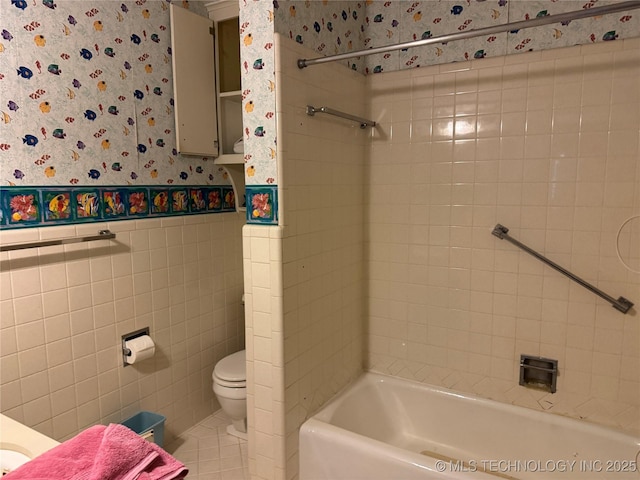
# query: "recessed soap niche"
{"points": [[538, 372]]}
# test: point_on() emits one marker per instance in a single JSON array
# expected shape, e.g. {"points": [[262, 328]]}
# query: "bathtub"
{"points": [[384, 428]]}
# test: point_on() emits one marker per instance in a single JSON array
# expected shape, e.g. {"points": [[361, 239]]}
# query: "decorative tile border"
{"points": [[22, 207], [262, 204]]}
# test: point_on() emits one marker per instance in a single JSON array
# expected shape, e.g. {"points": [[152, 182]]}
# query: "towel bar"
{"points": [[102, 235]]}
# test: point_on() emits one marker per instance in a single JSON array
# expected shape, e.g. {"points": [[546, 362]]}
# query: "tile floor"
{"points": [[210, 452]]}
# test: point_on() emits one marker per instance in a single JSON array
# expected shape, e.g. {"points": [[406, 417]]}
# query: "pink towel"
{"points": [[103, 453]]}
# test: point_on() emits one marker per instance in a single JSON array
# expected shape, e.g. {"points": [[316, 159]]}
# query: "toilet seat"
{"points": [[231, 371], [225, 383]]}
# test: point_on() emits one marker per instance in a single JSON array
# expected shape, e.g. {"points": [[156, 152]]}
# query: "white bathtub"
{"points": [[379, 426]]}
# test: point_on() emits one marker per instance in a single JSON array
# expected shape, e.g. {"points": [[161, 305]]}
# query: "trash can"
{"points": [[148, 425]]}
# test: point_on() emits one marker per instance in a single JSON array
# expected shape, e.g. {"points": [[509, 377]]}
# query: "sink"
{"points": [[19, 444], [11, 458]]}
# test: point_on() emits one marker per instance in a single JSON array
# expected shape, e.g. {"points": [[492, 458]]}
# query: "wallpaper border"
{"points": [[22, 207]]}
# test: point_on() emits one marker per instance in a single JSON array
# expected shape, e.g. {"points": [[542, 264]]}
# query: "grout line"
{"points": [[207, 450]]}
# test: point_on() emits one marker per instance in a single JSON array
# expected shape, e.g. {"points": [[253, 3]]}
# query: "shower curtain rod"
{"points": [[506, 27]]}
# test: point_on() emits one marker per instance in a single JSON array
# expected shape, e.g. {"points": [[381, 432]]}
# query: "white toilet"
{"points": [[230, 387]]}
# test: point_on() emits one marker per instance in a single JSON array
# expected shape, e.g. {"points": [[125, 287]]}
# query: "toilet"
{"points": [[230, 387]]}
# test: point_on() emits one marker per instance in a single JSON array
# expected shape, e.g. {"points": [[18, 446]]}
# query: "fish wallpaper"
{"points": [[87, 87], [330, 27], [87, 102]]}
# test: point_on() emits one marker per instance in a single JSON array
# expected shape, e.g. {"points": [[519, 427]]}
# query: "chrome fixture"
{"points": [[506, 27], [538, 372], [311, 111], [621, 304], [102, 235]]}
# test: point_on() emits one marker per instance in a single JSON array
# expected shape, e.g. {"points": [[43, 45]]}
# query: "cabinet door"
{"points": [[194, 89]]}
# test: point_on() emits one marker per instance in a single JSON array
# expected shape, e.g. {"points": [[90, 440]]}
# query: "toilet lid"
{"points": [[232, 367]]}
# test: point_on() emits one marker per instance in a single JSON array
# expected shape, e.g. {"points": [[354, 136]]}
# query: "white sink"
{"points": [[19, 444], [11, 458]]}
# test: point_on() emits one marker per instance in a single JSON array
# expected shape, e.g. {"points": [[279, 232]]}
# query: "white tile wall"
{"points": [[542, 142], [265, 373], [305, 276], [64, 309], [547, 144], [322, 205]]}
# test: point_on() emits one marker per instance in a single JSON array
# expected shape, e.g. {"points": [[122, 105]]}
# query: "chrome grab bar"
{"points": [[102, 235], [311, 111], [621, 304]]}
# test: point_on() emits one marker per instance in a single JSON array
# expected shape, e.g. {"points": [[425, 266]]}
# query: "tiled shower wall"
{"points": [[545, 143], [262, 256], [303, 279], [322, 159], [64, 309]]}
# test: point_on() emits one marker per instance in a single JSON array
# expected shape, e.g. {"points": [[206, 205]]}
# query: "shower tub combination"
{"points": [[384, 428]]}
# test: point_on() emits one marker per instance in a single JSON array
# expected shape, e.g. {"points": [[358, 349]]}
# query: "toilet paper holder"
{"points": [[130, 336]]}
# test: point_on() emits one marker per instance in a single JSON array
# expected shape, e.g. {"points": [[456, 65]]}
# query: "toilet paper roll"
{"points": [[141, 348]]}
